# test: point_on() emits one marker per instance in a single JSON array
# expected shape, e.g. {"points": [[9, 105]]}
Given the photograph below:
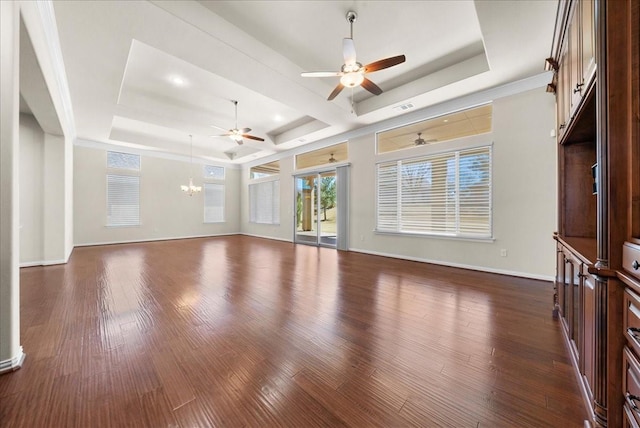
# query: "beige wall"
{"points": [[165, 211], [43, 200], [31, 191], [524, 196]]}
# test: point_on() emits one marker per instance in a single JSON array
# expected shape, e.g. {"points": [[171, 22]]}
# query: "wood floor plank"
{"points": [[238, 331], [177, 389]]}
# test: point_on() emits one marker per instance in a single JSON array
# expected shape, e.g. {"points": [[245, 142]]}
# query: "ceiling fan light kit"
{"points": [[237, 134], [352, 73]]}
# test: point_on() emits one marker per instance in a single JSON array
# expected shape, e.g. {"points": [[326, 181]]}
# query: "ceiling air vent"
{"points": [[404, 107]]}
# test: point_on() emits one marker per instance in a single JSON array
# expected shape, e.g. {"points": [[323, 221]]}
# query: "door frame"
{"points": [[317, 174], [342, 214]]}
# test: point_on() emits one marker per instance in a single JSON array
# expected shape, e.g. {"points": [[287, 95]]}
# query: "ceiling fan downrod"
{"points": [[351, 18]]}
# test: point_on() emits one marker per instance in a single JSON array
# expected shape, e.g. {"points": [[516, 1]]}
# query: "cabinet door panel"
{"points": [[575, 63], [563, 91], [560, 282], [631, 382], [588, 41], [589, 338]]}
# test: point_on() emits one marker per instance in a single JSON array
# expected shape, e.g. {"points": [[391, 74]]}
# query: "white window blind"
{"points": [[123, 200], [213, 203], [123, 161], [214, 172], [264, 202], [442, 194]]}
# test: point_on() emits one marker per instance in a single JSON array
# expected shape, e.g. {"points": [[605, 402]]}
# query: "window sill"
{"points": [[436, 236]]}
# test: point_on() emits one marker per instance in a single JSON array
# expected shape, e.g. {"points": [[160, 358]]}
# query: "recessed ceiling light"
{"points": [[277, 118], [446, 120], [178, 81]]}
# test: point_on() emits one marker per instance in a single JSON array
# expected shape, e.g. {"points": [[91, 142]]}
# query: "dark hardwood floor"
{"points": [[239, 331]]}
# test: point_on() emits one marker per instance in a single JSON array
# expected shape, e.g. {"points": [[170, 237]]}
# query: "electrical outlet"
{"points": [[503, 252]]}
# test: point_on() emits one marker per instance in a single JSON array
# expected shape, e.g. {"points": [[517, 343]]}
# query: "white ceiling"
{"points": [[122, 59]]}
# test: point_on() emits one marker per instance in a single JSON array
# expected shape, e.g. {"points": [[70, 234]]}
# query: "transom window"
{"points": [[119, 160], [435, 130], [213, 172], [265, 170]]}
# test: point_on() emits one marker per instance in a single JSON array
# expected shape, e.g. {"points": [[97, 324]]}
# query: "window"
{"points": [[123, 191], [214, 172], [323, 156], [123, 200], [123, 161], [265, 170], [213, 194], [435, 130], [213, 203], [264, 202], [444, 194]]}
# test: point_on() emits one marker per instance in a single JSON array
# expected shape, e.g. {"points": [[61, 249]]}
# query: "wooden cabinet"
{"points": [[575, 305], [576, 62], [630, 265], [596, 59]]}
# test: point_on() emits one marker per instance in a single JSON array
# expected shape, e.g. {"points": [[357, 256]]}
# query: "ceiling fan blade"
{"points": [[321, 74], [221, 135], [244, 130], [371, 87], [251, 137], [217, 127], [336, 91], [384, 63], [348, 51]]}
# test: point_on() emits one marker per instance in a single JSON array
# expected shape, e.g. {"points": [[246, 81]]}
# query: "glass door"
{"points": [[328, 204], [316, 209]]}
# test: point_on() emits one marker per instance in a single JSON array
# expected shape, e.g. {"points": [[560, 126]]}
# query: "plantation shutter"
{"points": [[443, 194], [264, 202], [213, 203], [123, 200]]}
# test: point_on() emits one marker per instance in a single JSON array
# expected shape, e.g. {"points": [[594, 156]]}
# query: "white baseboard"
{"points": [[266, 237], [458, 265], [12, 364], [43, 263], [133, 241]]}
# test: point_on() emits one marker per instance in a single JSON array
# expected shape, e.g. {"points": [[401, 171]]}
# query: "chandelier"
{"points": [[190, 188]]}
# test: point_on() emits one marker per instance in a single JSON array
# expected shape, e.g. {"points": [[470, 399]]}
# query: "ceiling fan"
{"points": [[352, 72], [421, 141], [237, 134]]}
